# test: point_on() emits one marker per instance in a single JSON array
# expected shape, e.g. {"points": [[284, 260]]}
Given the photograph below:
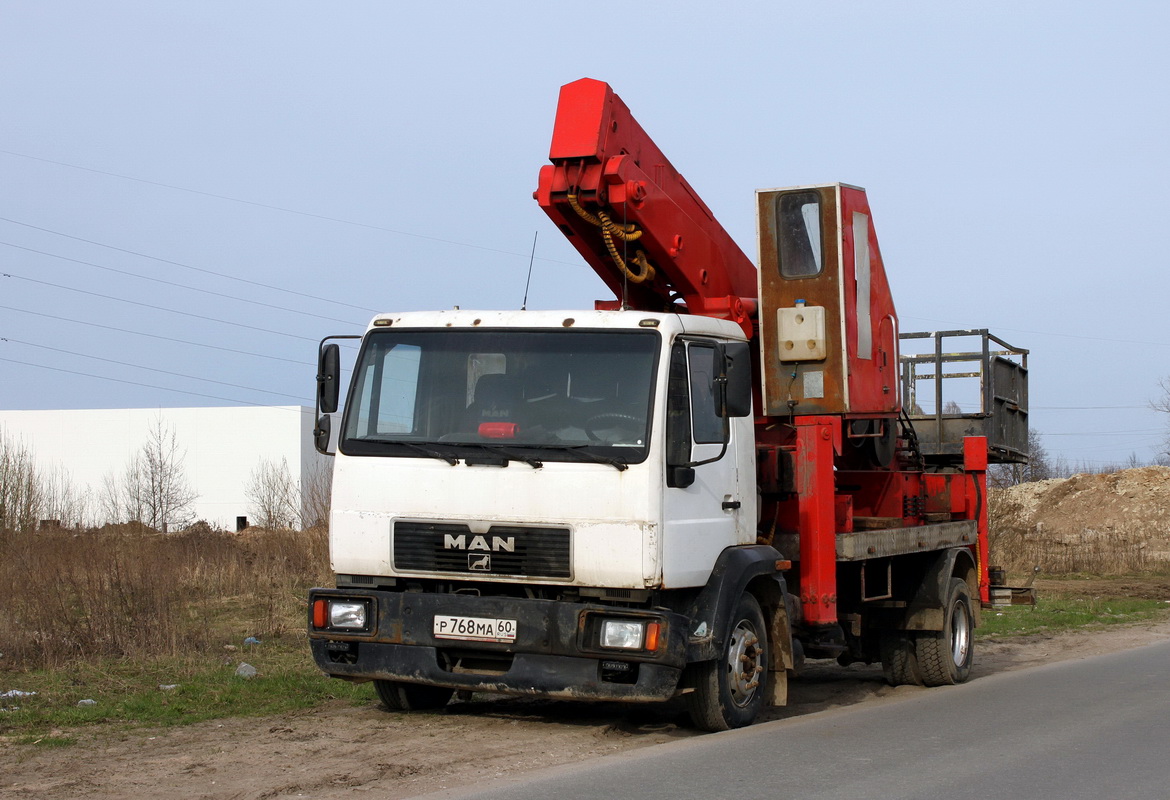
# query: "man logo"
{"points": [[479, 563], [498, 544]]}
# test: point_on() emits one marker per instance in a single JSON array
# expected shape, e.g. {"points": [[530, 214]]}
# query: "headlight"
{"points": [[623, 633], [343, 614]]}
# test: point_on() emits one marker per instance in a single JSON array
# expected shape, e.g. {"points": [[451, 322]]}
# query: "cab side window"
{"points": [[707, 426]]}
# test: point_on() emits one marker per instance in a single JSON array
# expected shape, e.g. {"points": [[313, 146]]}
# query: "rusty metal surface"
{"points": [[785, 382], [858, 373], [862, 545]]}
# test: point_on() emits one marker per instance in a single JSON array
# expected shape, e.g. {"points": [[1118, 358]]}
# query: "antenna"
{"points": [[527, 283], [626, 258]]}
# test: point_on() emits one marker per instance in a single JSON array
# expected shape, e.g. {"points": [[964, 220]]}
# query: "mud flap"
{"points": [[711, 609], [777, 687], [926, 610]]}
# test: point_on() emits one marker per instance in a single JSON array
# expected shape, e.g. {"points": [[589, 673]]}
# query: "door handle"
{"points": [[731, 505]]}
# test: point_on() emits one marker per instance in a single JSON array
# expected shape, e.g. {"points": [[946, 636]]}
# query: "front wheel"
{"points": [[398, 696], [945, 657], [729, 692]]}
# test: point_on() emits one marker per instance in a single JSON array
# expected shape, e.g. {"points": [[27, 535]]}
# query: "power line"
{"points": [[1082, 408], [399, 232], [158, 336], [178, 285], [1128, 444], [131, 383], [1042, 333], [1104, 433], [157, 307], [151, 369], [977, 406], [187, 266], [270, 207]]}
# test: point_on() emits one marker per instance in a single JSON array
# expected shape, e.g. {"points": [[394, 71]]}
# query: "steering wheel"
{"points": [[595, 422]]}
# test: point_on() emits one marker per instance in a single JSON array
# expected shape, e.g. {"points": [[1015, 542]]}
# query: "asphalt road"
{"points": [[1097, 729]]}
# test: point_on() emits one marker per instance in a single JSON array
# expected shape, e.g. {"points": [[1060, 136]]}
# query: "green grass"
{"points": [[1063, 612], [127, 692], [45, 740]]}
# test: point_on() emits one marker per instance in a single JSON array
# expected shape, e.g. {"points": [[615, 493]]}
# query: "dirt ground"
{"points": [[342, 751], [1117, 514]]}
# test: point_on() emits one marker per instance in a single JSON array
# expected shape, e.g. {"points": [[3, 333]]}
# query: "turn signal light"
{"points": [[652, 636], [320, 614]]}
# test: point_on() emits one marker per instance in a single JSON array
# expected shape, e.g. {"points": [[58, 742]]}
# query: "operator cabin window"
{"points": [[798, 227]]}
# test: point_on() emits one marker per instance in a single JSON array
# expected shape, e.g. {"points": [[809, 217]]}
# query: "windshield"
{"points": [[552, 395]]}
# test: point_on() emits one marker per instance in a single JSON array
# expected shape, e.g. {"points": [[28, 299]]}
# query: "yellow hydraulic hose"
{"points": [[611, 230]]}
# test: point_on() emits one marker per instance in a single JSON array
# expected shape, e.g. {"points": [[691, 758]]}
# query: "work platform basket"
{"points": [[966, 383]]}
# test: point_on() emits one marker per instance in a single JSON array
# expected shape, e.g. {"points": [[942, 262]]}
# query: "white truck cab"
{"points": [[515, 487], [532, 446]]}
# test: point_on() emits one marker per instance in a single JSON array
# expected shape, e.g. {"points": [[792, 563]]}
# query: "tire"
{"points": [[396, 696], [900, 659], [945, 657], [729, 691]]}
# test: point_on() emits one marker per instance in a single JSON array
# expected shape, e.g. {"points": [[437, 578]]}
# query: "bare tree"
{"points": [[168, 497], [109, 499], [153, 489], [63, 502], [316, 493], [1039, 466], [1163, 405], [21, 495], [274, 495]]}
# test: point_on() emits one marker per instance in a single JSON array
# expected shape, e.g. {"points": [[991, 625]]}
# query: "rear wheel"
{"points": [[398, 696], [945, 657], [900, 659], [729, 692]]}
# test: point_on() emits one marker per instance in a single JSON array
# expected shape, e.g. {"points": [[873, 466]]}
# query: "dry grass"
{"points": [[129, 592]]}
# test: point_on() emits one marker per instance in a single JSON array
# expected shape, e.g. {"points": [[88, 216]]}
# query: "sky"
{"points": [[192, 194]]}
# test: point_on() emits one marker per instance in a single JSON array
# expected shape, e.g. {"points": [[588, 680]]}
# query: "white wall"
{"points": [[223, 446]]}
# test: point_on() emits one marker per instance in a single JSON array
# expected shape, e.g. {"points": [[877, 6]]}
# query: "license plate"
{"points": [[475, 629]]}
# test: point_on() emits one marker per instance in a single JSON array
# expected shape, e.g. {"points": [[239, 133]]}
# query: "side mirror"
{"points": [[733, 371], [321, 435], [738, 357], [328, 379]]}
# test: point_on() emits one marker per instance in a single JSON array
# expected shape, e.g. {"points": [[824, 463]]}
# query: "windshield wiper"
{"points": [[426, 451], [578, 450]]}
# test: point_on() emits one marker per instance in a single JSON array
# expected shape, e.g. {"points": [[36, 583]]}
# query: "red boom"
{"points": [[634, 218]]}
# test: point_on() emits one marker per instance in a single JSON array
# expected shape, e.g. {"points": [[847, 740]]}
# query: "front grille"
{"points": [[503, 550]]}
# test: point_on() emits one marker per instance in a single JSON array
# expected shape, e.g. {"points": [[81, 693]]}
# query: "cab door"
{"points": [[703, 505]]}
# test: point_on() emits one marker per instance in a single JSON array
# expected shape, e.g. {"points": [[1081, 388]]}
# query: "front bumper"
{"points": [[554, 653]]}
